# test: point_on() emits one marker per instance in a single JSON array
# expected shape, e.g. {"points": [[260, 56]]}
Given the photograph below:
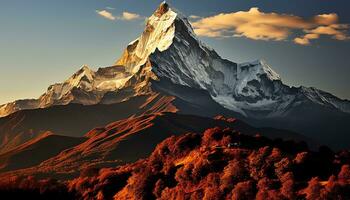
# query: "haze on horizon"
{"points": [[43, 42]]}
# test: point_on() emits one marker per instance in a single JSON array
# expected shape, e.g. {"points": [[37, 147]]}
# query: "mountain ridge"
{"points": [[114, 144], [165, 32], [169, 55]]}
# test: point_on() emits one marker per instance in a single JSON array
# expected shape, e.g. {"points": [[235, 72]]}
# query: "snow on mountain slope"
{"points": [[186, 61], [88, 87], [15, 106], [253, 89], [158, 34], [85, 87], [238, 87], [93, 86], [168, 49]]}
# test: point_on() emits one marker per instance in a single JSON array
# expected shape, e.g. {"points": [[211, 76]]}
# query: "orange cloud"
{"points": [[326, 19], [302, 41], [261, 32], [257, 25], [305, 40], [337, 31]]}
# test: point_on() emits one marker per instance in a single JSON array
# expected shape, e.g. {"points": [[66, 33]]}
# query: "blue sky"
{"points": [[45, 41]]}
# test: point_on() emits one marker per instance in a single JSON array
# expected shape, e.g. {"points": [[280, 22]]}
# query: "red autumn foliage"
{"points": [[344, 174], [313, 190], [243, 191], [208, 166], [300, 157], [29, 187], [288, 186]]}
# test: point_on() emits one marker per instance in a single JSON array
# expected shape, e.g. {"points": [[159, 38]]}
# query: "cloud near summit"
{"points": [[126, 16], [257, 25], [105, 14]]}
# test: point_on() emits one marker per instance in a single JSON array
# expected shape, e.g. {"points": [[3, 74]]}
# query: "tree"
{"points": [[243, 191], [313, 189], [300, 158], [158, 188], [233, 173], [287, 188], [211, 190], [263, 185], [282, 167], [344, 174]]}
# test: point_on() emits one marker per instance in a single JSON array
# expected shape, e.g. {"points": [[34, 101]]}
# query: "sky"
{"points": [[45, 41]]}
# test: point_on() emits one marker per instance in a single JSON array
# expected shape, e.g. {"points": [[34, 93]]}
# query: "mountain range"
{"points": [[168, 55], [166, 82]]}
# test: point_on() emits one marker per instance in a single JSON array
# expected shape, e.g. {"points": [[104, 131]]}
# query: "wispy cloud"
{"points": [[305, 40], [129, 16], [336, 31], [125, 16], [106, 14], [257, 25]]}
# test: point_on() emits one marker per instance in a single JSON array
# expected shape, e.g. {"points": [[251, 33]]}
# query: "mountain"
{"points": [[168, 59], [123, 141], [171, 119], [85, 87], [38, 150], [72, 120]]}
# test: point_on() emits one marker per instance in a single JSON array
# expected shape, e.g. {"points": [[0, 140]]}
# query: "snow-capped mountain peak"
{"points": [[168, 49], [84, 74], [258, 68], [158, 35]]}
